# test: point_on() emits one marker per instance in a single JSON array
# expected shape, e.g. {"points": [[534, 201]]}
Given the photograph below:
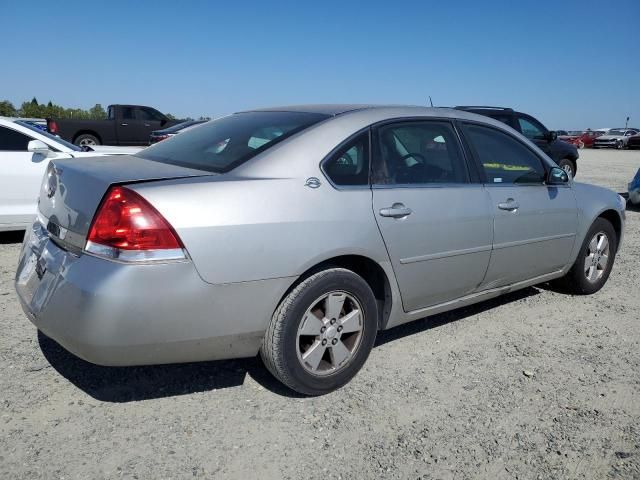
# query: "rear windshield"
{"points": [[221, 145]]}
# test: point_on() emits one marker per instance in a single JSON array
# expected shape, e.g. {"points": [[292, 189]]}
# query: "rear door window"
{"points": [[504, 159], [128, 113]]}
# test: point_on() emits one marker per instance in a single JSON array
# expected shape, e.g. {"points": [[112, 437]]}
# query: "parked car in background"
{"points": [[563, 153], [615, 138], [634, 189], [39, 123], [25, 151], [165, 133], [569, 136], [299, 233], [581, 139], [125, 125], [633, 141]]}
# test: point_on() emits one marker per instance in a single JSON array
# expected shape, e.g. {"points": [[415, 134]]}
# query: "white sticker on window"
{"points": [[497, 180]]}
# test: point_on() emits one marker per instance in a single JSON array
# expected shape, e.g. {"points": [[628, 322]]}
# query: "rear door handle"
{"points": [[397, 210], [510, 205]]}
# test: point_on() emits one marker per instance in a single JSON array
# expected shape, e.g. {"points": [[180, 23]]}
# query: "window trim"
{"points": [[374, 153], [483, 174], [334, 151]]}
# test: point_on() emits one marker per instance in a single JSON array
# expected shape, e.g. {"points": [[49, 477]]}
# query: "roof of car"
{"points": [[339, 109], [326, 109]]}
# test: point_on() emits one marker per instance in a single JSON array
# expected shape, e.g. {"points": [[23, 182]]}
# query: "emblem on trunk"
{"points": [[312, 182]]}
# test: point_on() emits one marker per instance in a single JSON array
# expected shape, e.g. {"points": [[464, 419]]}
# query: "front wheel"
{"points": [[322, 332], [619, 145], [568, 166], [591, 269]]}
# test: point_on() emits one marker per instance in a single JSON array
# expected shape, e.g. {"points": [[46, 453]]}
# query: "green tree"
{"points": [[97, 112], [170, 116], [32, 109], [7, 109]]}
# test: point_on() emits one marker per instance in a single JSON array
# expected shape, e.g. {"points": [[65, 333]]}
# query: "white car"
{"points": [[25, 151]]}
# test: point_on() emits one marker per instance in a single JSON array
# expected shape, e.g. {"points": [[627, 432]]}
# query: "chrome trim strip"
{"points": [[134, 256], [532, 240], [451, 253], [483, 248]]}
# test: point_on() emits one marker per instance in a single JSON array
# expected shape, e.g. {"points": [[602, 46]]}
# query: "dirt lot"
{"points": [[444, 397]]}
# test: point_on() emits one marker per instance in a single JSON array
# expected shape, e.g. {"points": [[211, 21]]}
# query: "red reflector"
{"points": [[126, 221], [52, 126]]}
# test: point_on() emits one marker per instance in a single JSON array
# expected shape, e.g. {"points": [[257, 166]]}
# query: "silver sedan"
{"points": [[301, 232]]}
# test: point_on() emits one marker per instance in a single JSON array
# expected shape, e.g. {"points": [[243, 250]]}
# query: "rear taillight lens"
{"points": [[52, 126], [128, 228], [158, 138]]}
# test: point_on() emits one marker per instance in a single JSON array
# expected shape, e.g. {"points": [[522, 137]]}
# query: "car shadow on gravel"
{"points": [[128, 384]]}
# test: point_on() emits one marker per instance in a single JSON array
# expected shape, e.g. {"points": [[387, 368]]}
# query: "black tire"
{"points": [[575, 281], [86, 139], [567, 163], [280, 346]]}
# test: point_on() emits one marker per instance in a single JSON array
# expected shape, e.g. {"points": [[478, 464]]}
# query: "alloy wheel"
{"points": [[330, 333], [597, 258]]}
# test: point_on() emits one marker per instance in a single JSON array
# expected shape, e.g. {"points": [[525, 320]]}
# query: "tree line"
{"points": [[33, 109]]}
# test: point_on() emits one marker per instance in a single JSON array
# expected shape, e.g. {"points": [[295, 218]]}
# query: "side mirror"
{"points": [[551, 136], [557, 176], [163, 122], [38, 146]]}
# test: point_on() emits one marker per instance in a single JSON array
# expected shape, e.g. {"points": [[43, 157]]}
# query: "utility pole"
{"points": [[626, 124]]}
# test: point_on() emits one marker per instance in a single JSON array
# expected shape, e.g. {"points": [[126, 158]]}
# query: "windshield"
{"points": [[44, 133], [616, 132], [221, 145]]}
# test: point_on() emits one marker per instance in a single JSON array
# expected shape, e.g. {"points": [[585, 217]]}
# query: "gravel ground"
{"points": [[536, 384]]}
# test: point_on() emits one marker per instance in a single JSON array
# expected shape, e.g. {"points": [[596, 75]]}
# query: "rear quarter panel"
{"points": [[244, 229]]}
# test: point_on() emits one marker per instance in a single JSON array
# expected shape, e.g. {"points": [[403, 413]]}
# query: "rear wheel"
{"points": [[322, 332], [86, 139], [591, 269], [568, 166]]}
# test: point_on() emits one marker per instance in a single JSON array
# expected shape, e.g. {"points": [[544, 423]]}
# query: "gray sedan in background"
{"points": [[615, 138], [301, 232]]}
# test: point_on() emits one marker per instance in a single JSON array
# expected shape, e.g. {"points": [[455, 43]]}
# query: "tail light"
{"points": [[158, 138], [128, 228], [52, 126]]}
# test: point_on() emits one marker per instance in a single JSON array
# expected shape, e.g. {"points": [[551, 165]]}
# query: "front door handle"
{"points": [[397, 210], [124, 124], [510, 205]]}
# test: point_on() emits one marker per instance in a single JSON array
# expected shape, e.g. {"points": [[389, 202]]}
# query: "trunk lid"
{"points": [[72, 190]]}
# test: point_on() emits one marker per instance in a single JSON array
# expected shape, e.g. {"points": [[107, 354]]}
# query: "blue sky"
{"points": [[573, 64]]}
